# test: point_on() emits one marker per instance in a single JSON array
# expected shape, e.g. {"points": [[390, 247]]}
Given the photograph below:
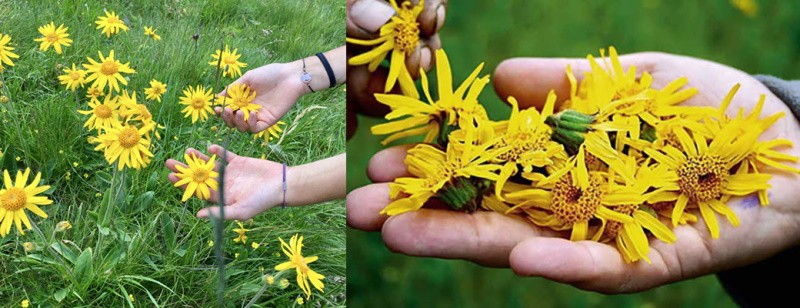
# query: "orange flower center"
{"points": [[198, 103], [102, 111], [75, 76], [14, 199], [702, 178], [522, 142], [572, 204], [406, 31], [114, 20], [129, 137], [612, 227], [200, 175], [109, 68], [52, 37]]}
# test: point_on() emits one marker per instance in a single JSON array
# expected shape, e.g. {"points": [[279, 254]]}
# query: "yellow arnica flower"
{"points": [[52, 36], [104, 115], [704, 178], [240, 97], [242, 232], [199, 177], [107, 71], [150, 32], [198, 103], [94, 92], [229, 64], [527, 142], [299, 301], [156, 89], [111, 24], [5, 51], [452, 110], [747, 7], [16, 197], [25, 303], [435, 171], [296, 260], [400, 36], [73, 78], [272, 132], [126, 146]]}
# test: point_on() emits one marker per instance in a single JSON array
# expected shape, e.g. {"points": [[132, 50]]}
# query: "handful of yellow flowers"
{"points": [[618, 161]]}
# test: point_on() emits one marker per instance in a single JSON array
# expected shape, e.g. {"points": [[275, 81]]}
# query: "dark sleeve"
{"points": [[759, 283]]}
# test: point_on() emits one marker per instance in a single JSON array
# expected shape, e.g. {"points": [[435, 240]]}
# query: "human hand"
{"points": [[251, 185], [364, 19], [496, 240], [277, 87]]}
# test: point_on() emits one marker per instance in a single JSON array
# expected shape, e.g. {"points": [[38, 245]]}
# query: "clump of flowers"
{"points": [[615, 160]]}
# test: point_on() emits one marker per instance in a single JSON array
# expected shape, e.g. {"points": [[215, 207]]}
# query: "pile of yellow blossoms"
{"points": [[615, 160]]}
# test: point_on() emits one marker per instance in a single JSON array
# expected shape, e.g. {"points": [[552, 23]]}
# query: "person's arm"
{"points": [[319, 76], [316, 182]]}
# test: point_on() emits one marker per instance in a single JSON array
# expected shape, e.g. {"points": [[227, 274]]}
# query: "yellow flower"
{"points": [[255, 245], [230, 62], [296, 260], [283, 283], [5, 51], [198, 103], [73, 78], [25, 304], [704, 178], [527, 142], [242, 232], [18, 196], [442, 174], [210, 243], [240, 97], [150, 32], [236, 255], [451, 111], [94, 92], [107, 70], [28, 246], [3, 100], [400, 36], [131, 298], [269, 279], [52, 36], [199, 176], [104, 115], [126, 146], [272, 132], [62, 226], [748, 7], [155, 90], [299, 300], [111, 24]]}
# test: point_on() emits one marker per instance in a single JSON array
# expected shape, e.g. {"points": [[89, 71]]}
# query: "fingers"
{"points": [[587, 265], [221, 152], [422, 57], [486, 238], [239, 121], [530, 79], [362, 86], [364, 204], [388, 164], [432, 17], [365, 17], [231, 212]]}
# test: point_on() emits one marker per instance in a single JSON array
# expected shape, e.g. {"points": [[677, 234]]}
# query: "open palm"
{"points": [[277, 87], [493, 239], [251, 185]]}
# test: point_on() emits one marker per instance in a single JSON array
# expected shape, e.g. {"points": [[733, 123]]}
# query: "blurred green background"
{"points": [[767, 42]]}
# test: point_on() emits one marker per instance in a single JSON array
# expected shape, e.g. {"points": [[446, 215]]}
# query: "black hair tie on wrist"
{"points": [[328, 68]]}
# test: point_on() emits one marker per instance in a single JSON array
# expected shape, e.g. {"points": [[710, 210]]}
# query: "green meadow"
{"points": [[491, 31], [135, 244]]}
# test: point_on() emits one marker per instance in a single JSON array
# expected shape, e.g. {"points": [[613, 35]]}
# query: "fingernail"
{"points": [[441, 12], [425, 57], [370, 15]]}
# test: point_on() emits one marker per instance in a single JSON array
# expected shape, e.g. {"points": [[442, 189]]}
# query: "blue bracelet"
{"points": [[328, 68], [284, 187]]}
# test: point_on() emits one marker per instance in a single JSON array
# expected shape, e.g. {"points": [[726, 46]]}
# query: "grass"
{"points": [[490, 31], [151, 247]]}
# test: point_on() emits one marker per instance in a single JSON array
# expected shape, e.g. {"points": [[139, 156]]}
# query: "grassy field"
{"points": [[151, 250], [490, 31]]}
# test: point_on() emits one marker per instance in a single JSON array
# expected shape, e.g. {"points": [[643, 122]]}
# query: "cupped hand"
{"points": [[277, 87], [364, 19], [497, 240], [251, 185]]}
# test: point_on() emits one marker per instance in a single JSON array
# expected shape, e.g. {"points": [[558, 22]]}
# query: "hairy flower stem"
{"points": [[464, 194], [568, 128]]}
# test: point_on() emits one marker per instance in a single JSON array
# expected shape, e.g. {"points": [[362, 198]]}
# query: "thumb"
{"points": [[529, 80], [365, 17]]}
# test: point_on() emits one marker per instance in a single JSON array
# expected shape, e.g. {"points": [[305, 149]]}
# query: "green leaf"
{"points": [[142, 202], [60, 295], [84, 267], [168, 231]]}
